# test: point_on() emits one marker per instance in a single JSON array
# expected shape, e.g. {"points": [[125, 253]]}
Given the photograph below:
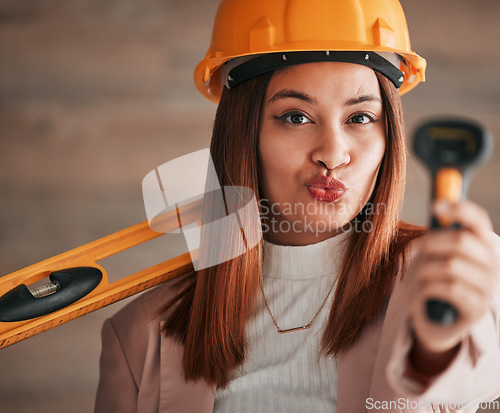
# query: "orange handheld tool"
{"points": [[78, 285], [450, 148]]}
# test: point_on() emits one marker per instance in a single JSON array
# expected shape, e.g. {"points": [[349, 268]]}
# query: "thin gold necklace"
{"points": [[304, 327]]}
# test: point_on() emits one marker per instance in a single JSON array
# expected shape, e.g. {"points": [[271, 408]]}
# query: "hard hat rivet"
{"points": [[367, 57], [401, 78], [284, 58], [328, 53]]}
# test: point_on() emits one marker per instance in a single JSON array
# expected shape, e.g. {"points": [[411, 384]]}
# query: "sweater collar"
{"points": [[304, 262]]}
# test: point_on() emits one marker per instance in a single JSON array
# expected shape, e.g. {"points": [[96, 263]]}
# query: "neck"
{"points": [[282, 232]]}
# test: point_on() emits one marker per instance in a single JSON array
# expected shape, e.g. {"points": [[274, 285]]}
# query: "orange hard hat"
{"points": [[245, 29]]}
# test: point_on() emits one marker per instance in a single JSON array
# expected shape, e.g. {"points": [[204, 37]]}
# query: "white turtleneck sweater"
{"points": [[285, 372]]}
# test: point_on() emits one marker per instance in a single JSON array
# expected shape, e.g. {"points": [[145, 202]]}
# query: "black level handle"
{"points": [[70, 285], [439, 311]]}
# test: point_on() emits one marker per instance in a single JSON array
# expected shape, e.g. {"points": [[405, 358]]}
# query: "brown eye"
{"points": [[295, 118], [362, 118]]}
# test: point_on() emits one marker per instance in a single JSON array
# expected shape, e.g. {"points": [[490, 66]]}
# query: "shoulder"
{"points": [[146, 305], [131, 338], [140, 319]]}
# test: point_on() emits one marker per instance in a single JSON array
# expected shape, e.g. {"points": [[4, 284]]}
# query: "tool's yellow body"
{"points": [[448, 187], [105, 293]]}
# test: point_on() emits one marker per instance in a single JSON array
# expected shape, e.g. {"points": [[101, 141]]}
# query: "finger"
{"points": [[467, 214], [447, 244], [456, 271], [469, 304]]}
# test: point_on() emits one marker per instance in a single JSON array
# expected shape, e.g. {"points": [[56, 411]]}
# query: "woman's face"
{"points": [[321, 144]]}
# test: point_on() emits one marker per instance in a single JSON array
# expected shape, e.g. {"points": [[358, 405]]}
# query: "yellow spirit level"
{"points": [[26, 312]]}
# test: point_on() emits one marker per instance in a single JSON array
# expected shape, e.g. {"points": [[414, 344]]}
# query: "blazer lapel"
{"points": [[177, 395]]}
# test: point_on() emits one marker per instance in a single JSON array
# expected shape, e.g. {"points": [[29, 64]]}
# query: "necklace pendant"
{"points": [[291, 330]]}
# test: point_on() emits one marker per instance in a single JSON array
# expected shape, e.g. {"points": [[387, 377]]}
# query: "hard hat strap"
{"points": [[274, 61]]}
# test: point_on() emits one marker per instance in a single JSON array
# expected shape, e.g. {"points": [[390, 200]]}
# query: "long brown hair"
{"points": [[210, 312]]}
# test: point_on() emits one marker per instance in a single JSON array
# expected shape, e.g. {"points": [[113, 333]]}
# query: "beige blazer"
{"points": [[141, 369]]}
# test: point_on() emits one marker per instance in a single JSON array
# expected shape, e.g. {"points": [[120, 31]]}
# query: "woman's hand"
{"points": [[459, 267]]}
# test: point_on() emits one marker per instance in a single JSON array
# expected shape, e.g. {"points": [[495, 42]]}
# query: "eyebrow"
{"points": [[364, 98], [294, 94], [290, 93]]}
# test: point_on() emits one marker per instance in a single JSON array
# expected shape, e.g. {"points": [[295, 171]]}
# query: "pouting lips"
{"points": [[324, 188]]}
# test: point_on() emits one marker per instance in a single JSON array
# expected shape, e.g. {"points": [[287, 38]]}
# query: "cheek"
{"points": [[268, 164], [370, 163], [366, 158], [278, 162], [373, 159]]}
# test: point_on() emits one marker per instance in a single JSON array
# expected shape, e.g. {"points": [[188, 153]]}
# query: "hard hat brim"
{"points": [[208, 80]]}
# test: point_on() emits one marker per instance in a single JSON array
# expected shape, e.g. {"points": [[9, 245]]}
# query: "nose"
{"points": [[332, 150]]}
